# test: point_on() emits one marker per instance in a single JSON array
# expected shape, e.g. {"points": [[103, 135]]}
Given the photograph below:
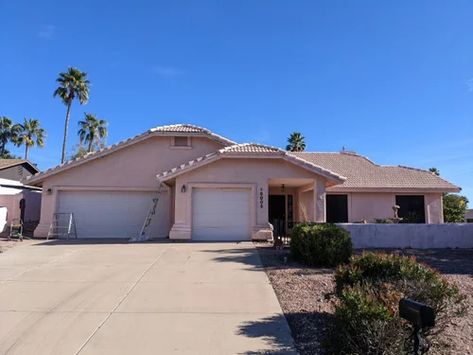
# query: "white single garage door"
{"points": [[114, 214], [220, 214]]}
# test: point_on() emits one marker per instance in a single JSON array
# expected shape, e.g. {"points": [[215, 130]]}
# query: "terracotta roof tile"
{"points": [[362, 173], [161, 130], [250, 148], [186, 128]]}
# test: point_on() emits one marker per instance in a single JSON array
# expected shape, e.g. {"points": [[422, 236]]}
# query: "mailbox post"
{"points": [[420, 315]]}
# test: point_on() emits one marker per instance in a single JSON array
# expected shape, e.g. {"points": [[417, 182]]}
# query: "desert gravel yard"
{"points": [[151, 298], [304, 295]]}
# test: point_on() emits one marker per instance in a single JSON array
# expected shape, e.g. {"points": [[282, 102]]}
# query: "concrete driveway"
{"points": [[154, 298]]}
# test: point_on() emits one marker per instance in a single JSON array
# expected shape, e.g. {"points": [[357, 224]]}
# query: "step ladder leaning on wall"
{"points": [[142, 237], [63, 226]]}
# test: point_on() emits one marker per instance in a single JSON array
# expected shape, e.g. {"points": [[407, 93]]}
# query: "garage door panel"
{"points": [[114, 214], [221, 214]]}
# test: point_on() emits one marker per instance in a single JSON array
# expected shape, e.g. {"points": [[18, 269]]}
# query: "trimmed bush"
{"points": [[320, 244], [366, 313]]}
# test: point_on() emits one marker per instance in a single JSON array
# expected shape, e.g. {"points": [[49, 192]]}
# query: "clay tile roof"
{"points": [[250, 148], [176, 129], [190, 129], [185, 128], [362, 173]]}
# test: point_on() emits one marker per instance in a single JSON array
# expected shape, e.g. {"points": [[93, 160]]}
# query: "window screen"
{"points": [[337, 208], [411, 209]]}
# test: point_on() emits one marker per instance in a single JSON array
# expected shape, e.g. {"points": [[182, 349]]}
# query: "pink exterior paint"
{"points": [[369, 206], [133, 168], [12, 203], [253, 174]]}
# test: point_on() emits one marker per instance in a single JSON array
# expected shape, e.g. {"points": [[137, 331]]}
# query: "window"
{"points": [[181, 142], [411, 208], [337, 208]]}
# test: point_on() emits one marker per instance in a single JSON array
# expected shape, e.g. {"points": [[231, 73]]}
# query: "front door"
{"points": [[277, 213]]}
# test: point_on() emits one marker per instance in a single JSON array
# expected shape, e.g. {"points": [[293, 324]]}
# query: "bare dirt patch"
{"points": [[304, 295]]}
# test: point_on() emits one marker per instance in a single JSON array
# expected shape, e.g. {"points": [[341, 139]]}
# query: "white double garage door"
{"points": [[114, 214], [217, 214]]}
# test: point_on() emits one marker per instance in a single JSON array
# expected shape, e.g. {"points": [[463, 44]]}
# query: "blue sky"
{"points": [[392, 80]]}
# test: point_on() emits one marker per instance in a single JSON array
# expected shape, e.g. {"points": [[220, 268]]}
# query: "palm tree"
{"points": [[72, 84], [92, 131], [296, 142], [30, 134], [8, 132]]}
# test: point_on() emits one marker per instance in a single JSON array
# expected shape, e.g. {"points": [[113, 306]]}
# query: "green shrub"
{"points": [[320, 244], [366, 313]]}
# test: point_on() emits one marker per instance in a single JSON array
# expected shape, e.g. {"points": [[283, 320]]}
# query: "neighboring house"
{"points": [[469, 216], [16, 169], [22, 202], [215, 189]]}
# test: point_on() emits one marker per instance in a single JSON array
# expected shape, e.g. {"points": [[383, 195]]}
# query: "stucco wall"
{"points": [[249, 173], [423, 236], [12, 203], [132, 168], [368, 206], [305, 201]]}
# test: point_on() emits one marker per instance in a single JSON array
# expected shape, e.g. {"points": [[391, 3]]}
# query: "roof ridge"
{"points": [[247, 144], [354, 154], [189, 125]]}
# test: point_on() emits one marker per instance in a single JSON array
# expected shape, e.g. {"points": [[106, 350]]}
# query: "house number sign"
{"points": [[261, 197]]}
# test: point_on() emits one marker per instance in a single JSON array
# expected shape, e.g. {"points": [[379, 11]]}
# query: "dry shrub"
{"points": [[368, 291]]}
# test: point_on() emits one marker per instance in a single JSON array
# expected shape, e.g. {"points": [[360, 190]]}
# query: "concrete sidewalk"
{"points": [[154, 298]]}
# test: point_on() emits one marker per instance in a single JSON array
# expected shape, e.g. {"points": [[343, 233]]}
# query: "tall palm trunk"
{"points": [[66, 127], [26, 151], [89, 149], [2, 148]]}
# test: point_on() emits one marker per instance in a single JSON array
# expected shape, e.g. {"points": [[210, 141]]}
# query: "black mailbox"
{"points": [[417, 313]]}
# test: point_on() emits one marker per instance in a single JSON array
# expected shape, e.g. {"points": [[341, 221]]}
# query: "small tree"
{"points": [[454, 208], [296, 142]]}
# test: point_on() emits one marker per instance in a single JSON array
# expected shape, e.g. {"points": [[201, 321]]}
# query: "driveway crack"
{"points": [[118, 304]]}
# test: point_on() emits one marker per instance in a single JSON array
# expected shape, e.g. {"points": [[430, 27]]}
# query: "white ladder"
{"points": [[149, 217], [63, 225]]}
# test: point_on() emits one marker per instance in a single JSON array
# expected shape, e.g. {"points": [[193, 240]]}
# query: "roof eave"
{"points": [[36, 180], [192, 165], [453, 189], [19, 163]]}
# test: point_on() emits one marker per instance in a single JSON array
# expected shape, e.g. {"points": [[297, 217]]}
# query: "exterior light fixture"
{"points": [[283, 188], [49, 191], [183, 188]]}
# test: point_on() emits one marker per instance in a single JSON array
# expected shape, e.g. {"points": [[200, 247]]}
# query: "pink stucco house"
{"points": [[215, 189]]}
